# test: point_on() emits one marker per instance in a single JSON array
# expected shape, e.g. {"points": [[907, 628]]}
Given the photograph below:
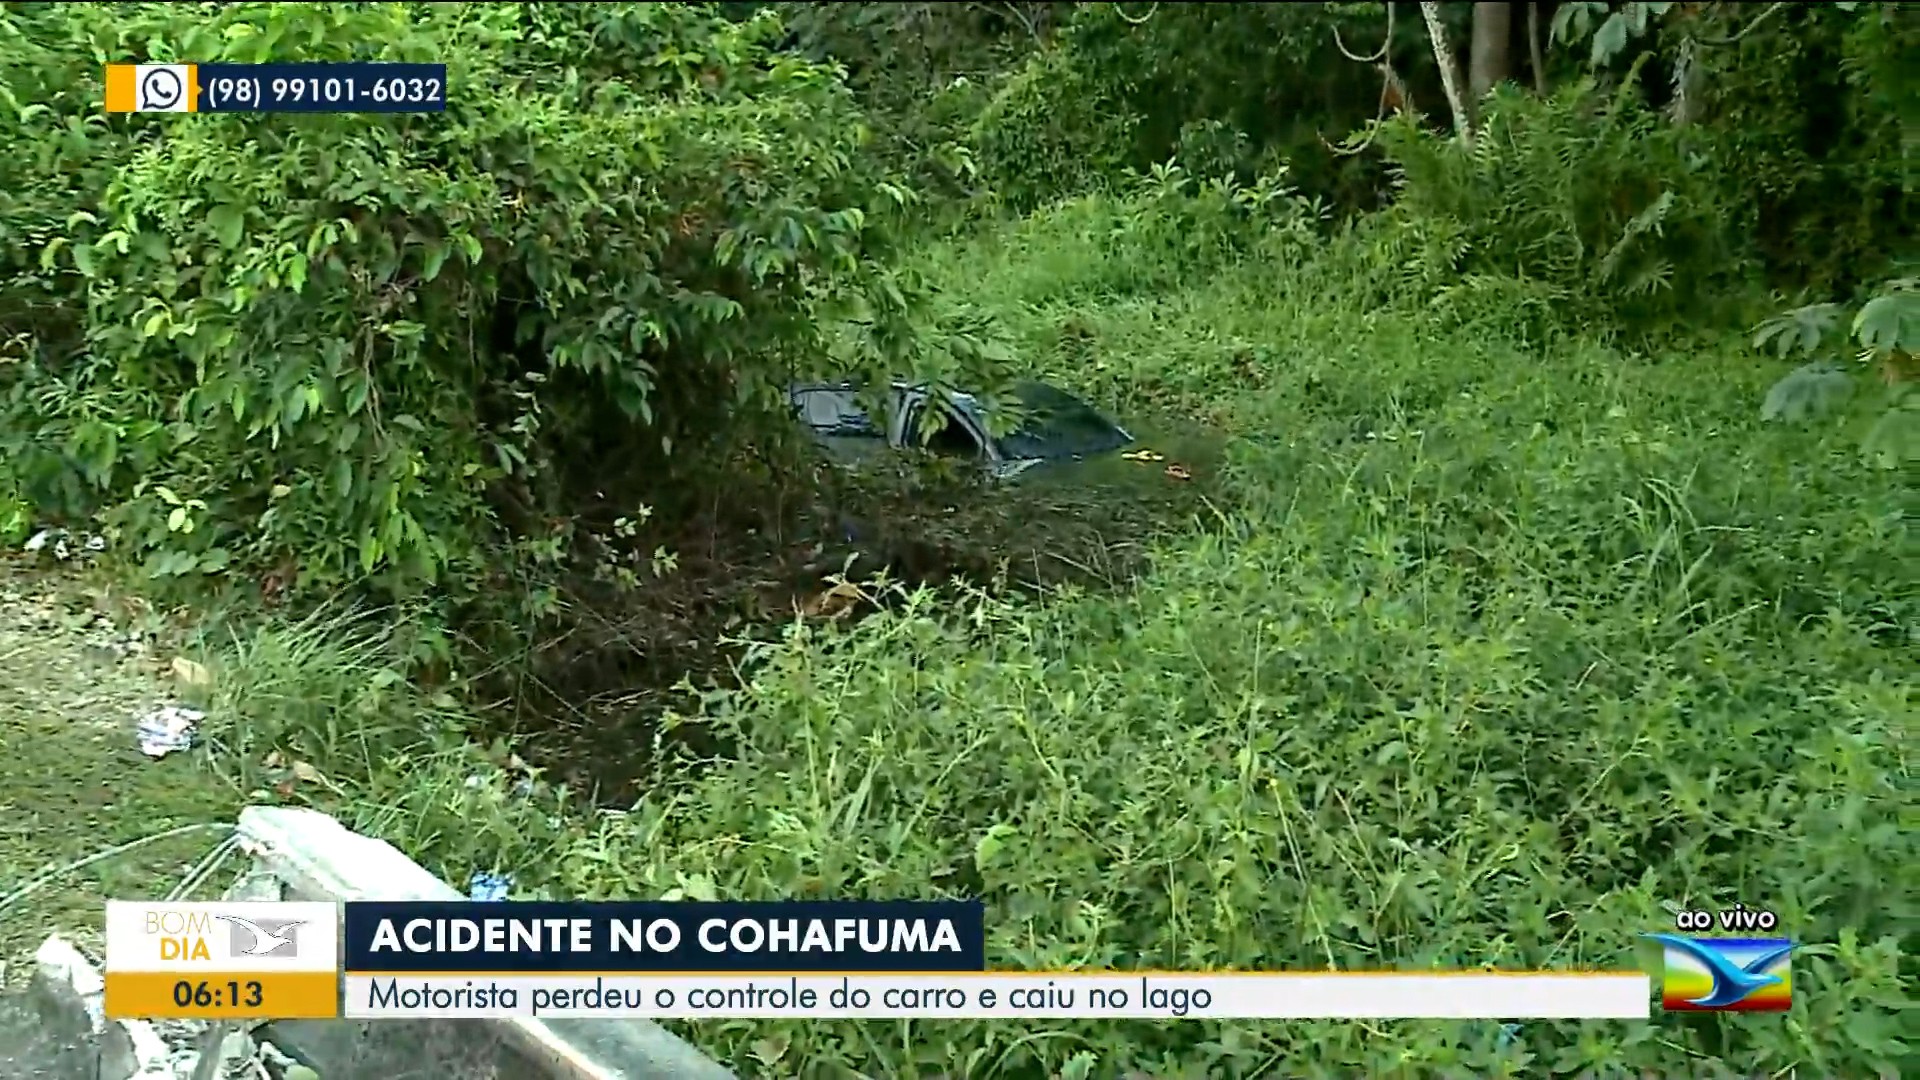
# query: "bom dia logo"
{"points": [[1725, 974], [184, 935]]}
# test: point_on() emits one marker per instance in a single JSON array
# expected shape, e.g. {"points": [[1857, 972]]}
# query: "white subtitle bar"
{"points": [[1009, 996]]}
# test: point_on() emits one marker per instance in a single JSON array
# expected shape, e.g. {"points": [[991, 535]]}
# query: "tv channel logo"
{"points": [[223, 935], [1702, 974]]}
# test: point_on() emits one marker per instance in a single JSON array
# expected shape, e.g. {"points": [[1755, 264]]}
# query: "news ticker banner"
{"points": [[1008, 996], [465, 959], [210, 88]]}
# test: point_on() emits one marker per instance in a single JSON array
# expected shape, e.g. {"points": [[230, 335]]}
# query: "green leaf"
{"points": [[341, 477], [229, 222], [1572, 21], [1889, 323], [1807, 391], [1800, 330], [297, 271], [990, 843], [1609, 40], [436, 258], [1894, 439]]}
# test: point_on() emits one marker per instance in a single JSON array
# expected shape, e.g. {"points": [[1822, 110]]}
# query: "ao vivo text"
{"points": [[1739, 917]]}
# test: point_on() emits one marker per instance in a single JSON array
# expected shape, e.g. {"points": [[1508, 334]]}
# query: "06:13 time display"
{"points": [[216, 995]]}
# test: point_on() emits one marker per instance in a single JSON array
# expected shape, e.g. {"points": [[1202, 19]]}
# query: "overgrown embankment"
{"points": [[1514, 625], [1507, 648]]}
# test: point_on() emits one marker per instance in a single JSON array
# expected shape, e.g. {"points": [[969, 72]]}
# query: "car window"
{"points": [[832, 411], [951, 439], [1057, 424]]}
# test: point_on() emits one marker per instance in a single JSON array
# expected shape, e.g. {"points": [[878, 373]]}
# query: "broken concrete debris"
{"points": [[69, 995]]}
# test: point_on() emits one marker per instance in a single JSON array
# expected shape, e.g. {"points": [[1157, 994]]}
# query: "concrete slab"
{"points": [[69, 996], [314, 857]]}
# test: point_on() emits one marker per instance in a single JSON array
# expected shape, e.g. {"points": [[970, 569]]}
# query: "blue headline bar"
{"points": [[353, 88], [643, 936]]}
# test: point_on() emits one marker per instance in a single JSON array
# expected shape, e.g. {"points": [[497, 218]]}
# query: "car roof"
{"points": [[904, 384]]}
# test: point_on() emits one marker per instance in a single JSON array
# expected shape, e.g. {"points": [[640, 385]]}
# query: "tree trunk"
{"points": [[1489, 63], [1688, 85], [1534, 54], [1451, 78]]}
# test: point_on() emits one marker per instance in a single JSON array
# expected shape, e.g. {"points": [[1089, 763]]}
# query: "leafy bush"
{"points": [[62, 151], [379, 346], [1217, 86], [1595, 200], [1803, 102], [925, 72], [1887, 330], [1050, 131]]}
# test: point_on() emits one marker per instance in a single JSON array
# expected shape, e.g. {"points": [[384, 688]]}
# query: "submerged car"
{"points": [[1052, 427]]}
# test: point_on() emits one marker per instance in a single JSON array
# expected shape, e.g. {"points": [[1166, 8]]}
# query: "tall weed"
{"points": [[318, 710], [1498, 654]]}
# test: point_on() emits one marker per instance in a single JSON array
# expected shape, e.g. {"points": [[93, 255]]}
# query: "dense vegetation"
{"points": [[1535, 595]]}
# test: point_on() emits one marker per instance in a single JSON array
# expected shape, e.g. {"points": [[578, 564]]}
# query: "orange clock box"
{"points": [[223, 995]]}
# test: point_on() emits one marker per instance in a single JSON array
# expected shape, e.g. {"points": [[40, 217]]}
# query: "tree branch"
{"points": [[1142, 19], [1021, 16], [1449, 69], [1772, 10]]}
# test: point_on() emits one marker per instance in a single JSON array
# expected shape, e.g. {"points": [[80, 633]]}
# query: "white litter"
{"points": [[60, 544], [167, 729]]}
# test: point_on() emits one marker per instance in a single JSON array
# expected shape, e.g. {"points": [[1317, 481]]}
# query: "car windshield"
{"points": [[1057, 424]]}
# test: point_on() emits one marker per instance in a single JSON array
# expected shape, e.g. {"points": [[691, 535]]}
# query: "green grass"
{"points": [[75, 782], [300, 711], [1498, 642], [1504, 642]]}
